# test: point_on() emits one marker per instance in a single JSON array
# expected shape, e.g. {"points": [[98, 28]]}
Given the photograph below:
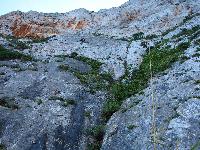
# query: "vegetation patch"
{"points": [[196, 146], [131, 127], [68, 102], [2, 73], [56, 98], [16, 67], [96, 133], [197, 42], [62, 56], [184, 58], [187, 32], [197, 82], [137, 36], [87, 114], [8, 103], [42, 40], [152, 36], [15, 42], [196, 55], [161, 60], [162, 57], [6, 54], [39, 101], [63, 67], [92, 79], [2, 147], [197, 97], [93, 63], [186, 19]]}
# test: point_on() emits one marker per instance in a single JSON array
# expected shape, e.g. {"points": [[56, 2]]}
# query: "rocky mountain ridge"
{"points": [[82, 80], [131, 17]]}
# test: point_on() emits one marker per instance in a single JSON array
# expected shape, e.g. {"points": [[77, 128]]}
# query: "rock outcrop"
{"points": [[89, 84], [131, 17]]}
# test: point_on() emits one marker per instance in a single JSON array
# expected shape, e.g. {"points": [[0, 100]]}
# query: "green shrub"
{"points": [[197, 42], [197, 82], [109, 108], [196, 55], [1, 127], [96, 132], [63, 67], [184, 58], [196, 146], [68, 102], [130, 127], [94, 146], [56, 98], [2, 73], [82, 77], [186, 19], [62, 56], [187, 32], [87, 114], [2, 147], [9, 103], [93, 63], [189, 17], [39, 101], [42, 40], [183, 46], [137, 36], [74, 55], [150, 37], [6, 54], [161, 59], [144, 44], [106, 76], [21, 45]]}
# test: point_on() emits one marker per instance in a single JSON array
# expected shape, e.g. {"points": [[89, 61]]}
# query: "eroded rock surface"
{"points": [[42, 120], [54, 101]]}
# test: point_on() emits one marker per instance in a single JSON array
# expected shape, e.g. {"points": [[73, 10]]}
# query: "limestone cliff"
{"points": [[82, 80]]}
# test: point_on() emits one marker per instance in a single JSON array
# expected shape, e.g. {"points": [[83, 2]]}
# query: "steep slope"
{"points": [[88, 79], [165, 115], [44, 106]]}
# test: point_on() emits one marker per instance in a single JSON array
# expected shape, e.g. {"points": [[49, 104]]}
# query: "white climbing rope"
{"points": [[153, 107]]}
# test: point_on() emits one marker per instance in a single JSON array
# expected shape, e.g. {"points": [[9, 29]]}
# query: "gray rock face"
{"points": [[109, 51], [176, 111], [49, 104], [131, 17], [41, 121]]}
